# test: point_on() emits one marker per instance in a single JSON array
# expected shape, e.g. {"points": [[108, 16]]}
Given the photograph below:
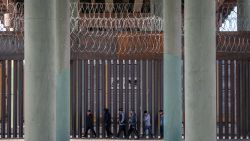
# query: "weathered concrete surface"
{"points": [[62, 67], [172, 70], [200, 72], [39, 71], [46, 68]]}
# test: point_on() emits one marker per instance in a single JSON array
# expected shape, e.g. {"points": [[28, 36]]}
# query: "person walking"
{"points": [[107, 122], [89, 124], [122, 123], [132, 123], [147, 124]]}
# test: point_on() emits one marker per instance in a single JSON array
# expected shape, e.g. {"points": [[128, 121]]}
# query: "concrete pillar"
{"points": [[39, 70], [46, 70], [172, 70], [200, 72], [243, 11], [62, 42]]}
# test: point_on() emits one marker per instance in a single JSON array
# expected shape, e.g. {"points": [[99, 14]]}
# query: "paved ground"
{"points": [[84, 140], [108, 140]]}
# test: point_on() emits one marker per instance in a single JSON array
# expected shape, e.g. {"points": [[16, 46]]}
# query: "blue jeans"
{"points": [[149, 130], [161, 131]]}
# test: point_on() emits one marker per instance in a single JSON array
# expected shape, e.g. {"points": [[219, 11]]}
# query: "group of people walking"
{"points": [[122, 121]]}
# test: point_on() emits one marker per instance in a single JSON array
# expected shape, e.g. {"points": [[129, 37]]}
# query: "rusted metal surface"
{"points": [[227, 42]]}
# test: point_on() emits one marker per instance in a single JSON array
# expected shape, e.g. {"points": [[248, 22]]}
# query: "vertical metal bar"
{"points": [[3, 99], [71, 97], [232, 97], [161, 93], [73, 102], [75, 98], [83, 95], [220, 101], [246, 97], [121, 90], [86, 90], [132, 84], [156, 94], [217, 99], [111, 90], [92, 84], [138, 93], [109, 75], [243, 99], [150, 92], [121, 83], [15, 101], [161, 84], [98, 98], [152, 99], [248, 111], [79, 98], [226, 100], [144, 87], [109, 84], [238, 99], [9, 99], [126, 88], [115, 95], [21, 104], [103, 93], [106, 82]]}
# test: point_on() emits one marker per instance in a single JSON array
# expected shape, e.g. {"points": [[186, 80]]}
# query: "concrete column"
{"points": [[47, 70], [200, 72], [39, 70], [243, 15], [62, 29], [172, 70]]}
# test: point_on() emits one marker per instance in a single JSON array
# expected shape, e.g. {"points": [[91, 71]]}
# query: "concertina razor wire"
{"points": [[121, 29]]}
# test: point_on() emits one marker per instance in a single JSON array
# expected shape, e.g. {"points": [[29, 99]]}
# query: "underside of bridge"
{"points": [[59, 59]]}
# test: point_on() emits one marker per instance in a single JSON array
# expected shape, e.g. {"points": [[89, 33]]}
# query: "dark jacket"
{"points": [[122, 120], [89, 120], [107, 119], [132, 120]]}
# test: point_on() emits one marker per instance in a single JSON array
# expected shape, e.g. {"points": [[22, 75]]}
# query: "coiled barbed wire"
{"points": [[119, 30]]}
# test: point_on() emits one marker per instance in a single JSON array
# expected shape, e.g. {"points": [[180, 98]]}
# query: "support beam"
{"points": [[172, 70], [62, 54], [47, 70], [39, 70], [200, 74], [243, 15]]}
